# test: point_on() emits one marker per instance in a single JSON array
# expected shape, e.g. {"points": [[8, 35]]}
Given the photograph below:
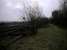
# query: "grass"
{"points": [[50, 38]]}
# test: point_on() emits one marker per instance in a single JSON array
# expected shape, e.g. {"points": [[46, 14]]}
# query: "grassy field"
{"points": [[50, 38]]}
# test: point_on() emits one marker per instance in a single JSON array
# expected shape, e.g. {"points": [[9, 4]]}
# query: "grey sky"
{"points": [[11, 10]]}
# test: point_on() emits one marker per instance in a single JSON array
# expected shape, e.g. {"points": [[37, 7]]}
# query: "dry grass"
{"points": [[51, 38]]}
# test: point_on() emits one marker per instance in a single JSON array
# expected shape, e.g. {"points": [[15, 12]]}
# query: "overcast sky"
{"points": [[11, 10]]}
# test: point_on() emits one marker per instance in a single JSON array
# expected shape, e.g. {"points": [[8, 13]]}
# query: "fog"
{"points": [[12, 10]]}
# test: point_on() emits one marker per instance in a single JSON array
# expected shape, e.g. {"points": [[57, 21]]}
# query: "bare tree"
{"points": [[30, 11]]}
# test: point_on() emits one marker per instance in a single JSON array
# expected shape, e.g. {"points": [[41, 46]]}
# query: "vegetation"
{"points": [[52, 38], [51, 34]]}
